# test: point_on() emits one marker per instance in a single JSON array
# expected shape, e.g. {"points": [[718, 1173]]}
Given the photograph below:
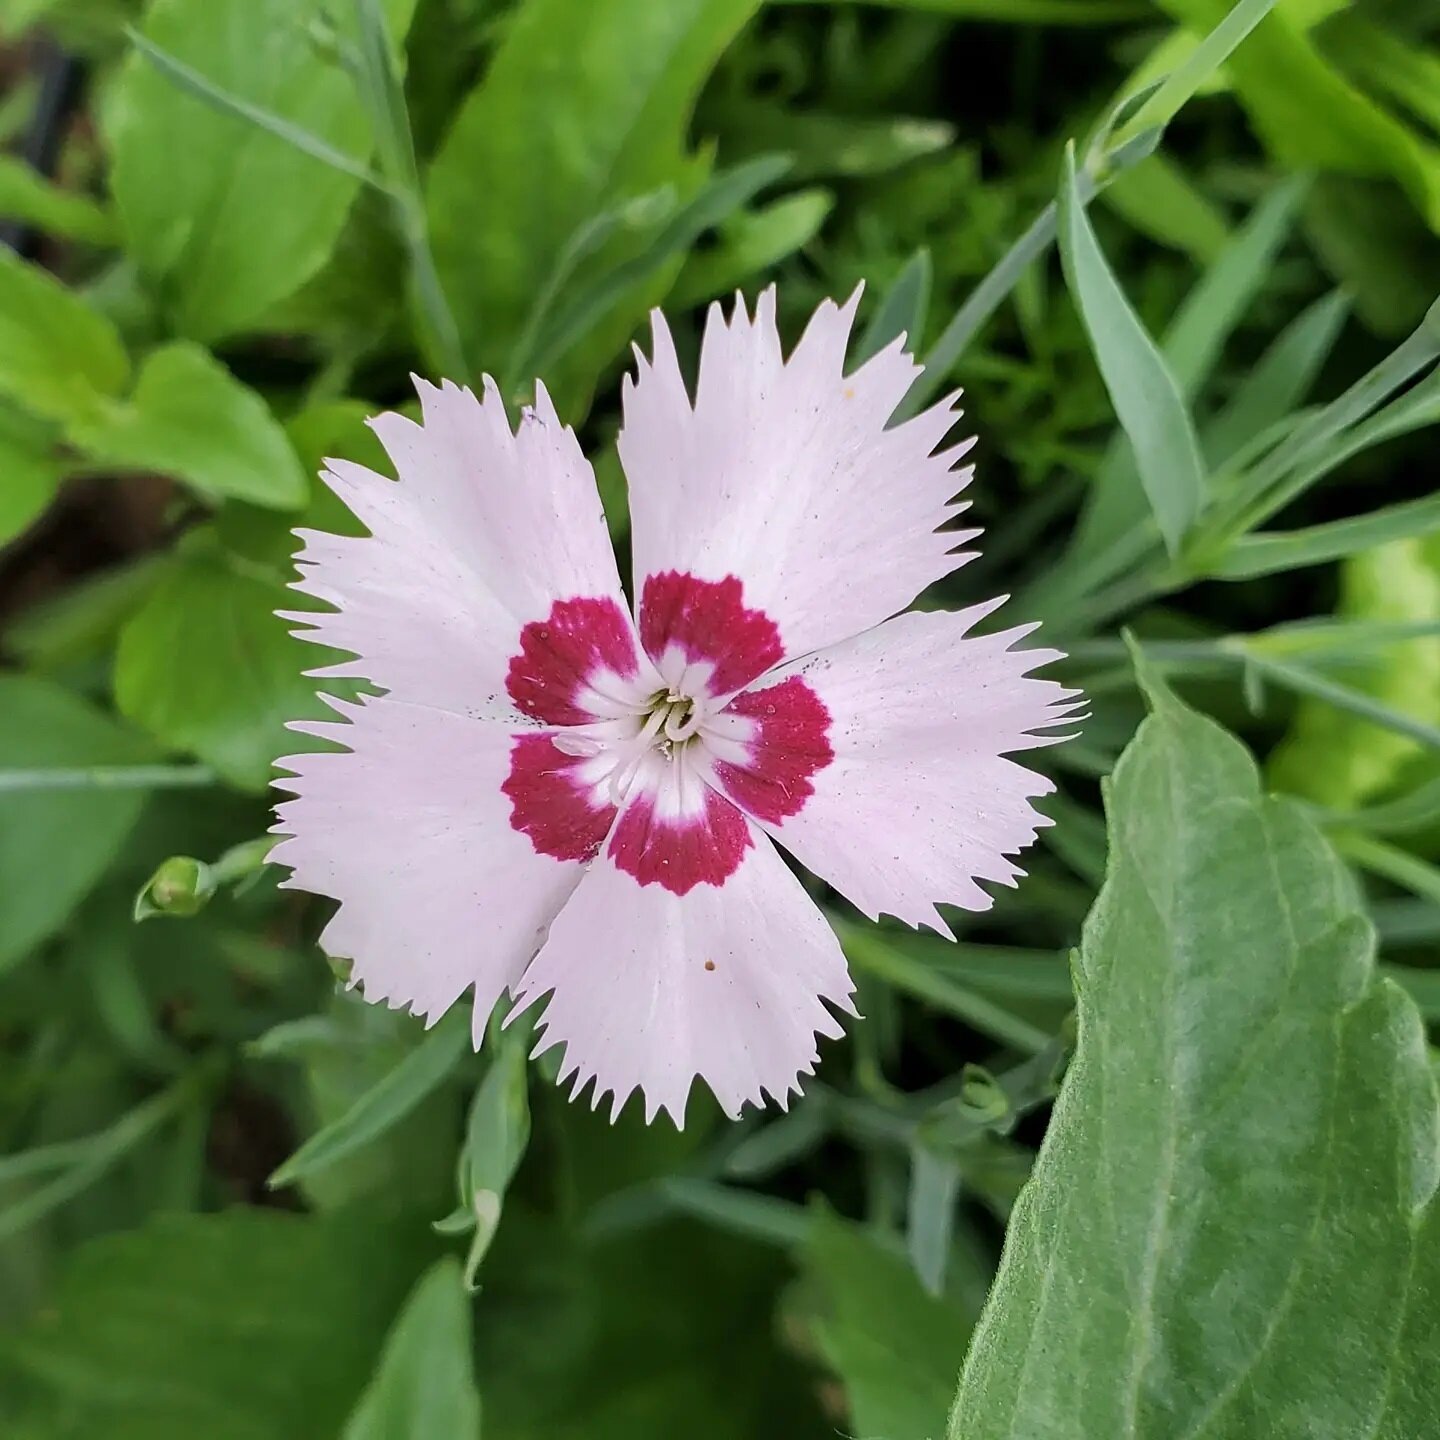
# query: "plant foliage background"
{"points": [[237, 1202]]}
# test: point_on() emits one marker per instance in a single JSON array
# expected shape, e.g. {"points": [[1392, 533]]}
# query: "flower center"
{"points": [[674, 719]]}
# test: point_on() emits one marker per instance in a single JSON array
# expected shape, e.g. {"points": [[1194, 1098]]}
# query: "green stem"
{"points": [[108, 777]]}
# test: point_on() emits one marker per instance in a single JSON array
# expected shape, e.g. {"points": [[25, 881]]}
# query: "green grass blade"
{"points": [[383, 1105], [1280, 380], [212, 95], [1142, 388], [1212, 52], [902, 310], [1253, 555]]}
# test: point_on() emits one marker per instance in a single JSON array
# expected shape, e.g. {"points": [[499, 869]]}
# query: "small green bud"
{"points": [[181, 887]]}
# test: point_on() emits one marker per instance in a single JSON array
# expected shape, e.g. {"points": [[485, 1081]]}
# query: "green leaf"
{"points": [[54, 847], [1309, 116], [1232, 24], [888, 957], [1161, 201], [1270, 553], [1143, 390], [235, 218], [827, 145], [893, 1346], [206, 666], [189, 417], [424, 1388], [749, 244], [1230, 1226], [1390, 62], [902, 310], [386, 1104], [716, 200], [600, 133], [27, 196], [1280, 380], [496, 1135], [1334, 757], [247, 1325], [58, 357], [1022, 12], [30, 471]]}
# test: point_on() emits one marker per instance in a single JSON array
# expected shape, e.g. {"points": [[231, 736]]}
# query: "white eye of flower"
{"points": [[559, 801]]}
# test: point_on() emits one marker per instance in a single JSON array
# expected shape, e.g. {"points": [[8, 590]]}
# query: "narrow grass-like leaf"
{"points": [[1417, 810], [194, 83], [384, 1105], [902, 310], [1146, 397], [718, 198], [742, 1212], [1267, 554], [1280, 380], [987, 297], [1390, 862], [382, 90], [1207, 57], [1291, 467], [867, 949], [930, 1214], [83, 1162], [1225, 293]]}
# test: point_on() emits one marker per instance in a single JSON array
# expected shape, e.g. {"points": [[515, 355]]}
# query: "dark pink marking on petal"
{"points": [[705, 848], [708, 620], [791, 743], [549, 802], [559, 654]]}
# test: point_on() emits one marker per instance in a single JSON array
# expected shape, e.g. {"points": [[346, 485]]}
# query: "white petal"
{"points": [[484, 532], [409, 830], [726, 982], [919, 802], [784, 475]]}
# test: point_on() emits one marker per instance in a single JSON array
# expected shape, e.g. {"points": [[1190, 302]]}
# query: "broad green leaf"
{"points": [[1229, 1230], [235, 218], [424, 1388], [384, 1105], [749, 244], [1310, 116], [893, 1346], [1280, 380], [27, 196], [902, 310], [189, 417], [55, 846], [1337, 758], [30, 471], [206, 666], [58, 357], [1273, 551], [600, 132], [247, 1325], [666, 1333], [1142, 387]]}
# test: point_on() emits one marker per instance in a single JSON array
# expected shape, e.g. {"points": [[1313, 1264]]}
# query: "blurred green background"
{"points": [[233, 228]]}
